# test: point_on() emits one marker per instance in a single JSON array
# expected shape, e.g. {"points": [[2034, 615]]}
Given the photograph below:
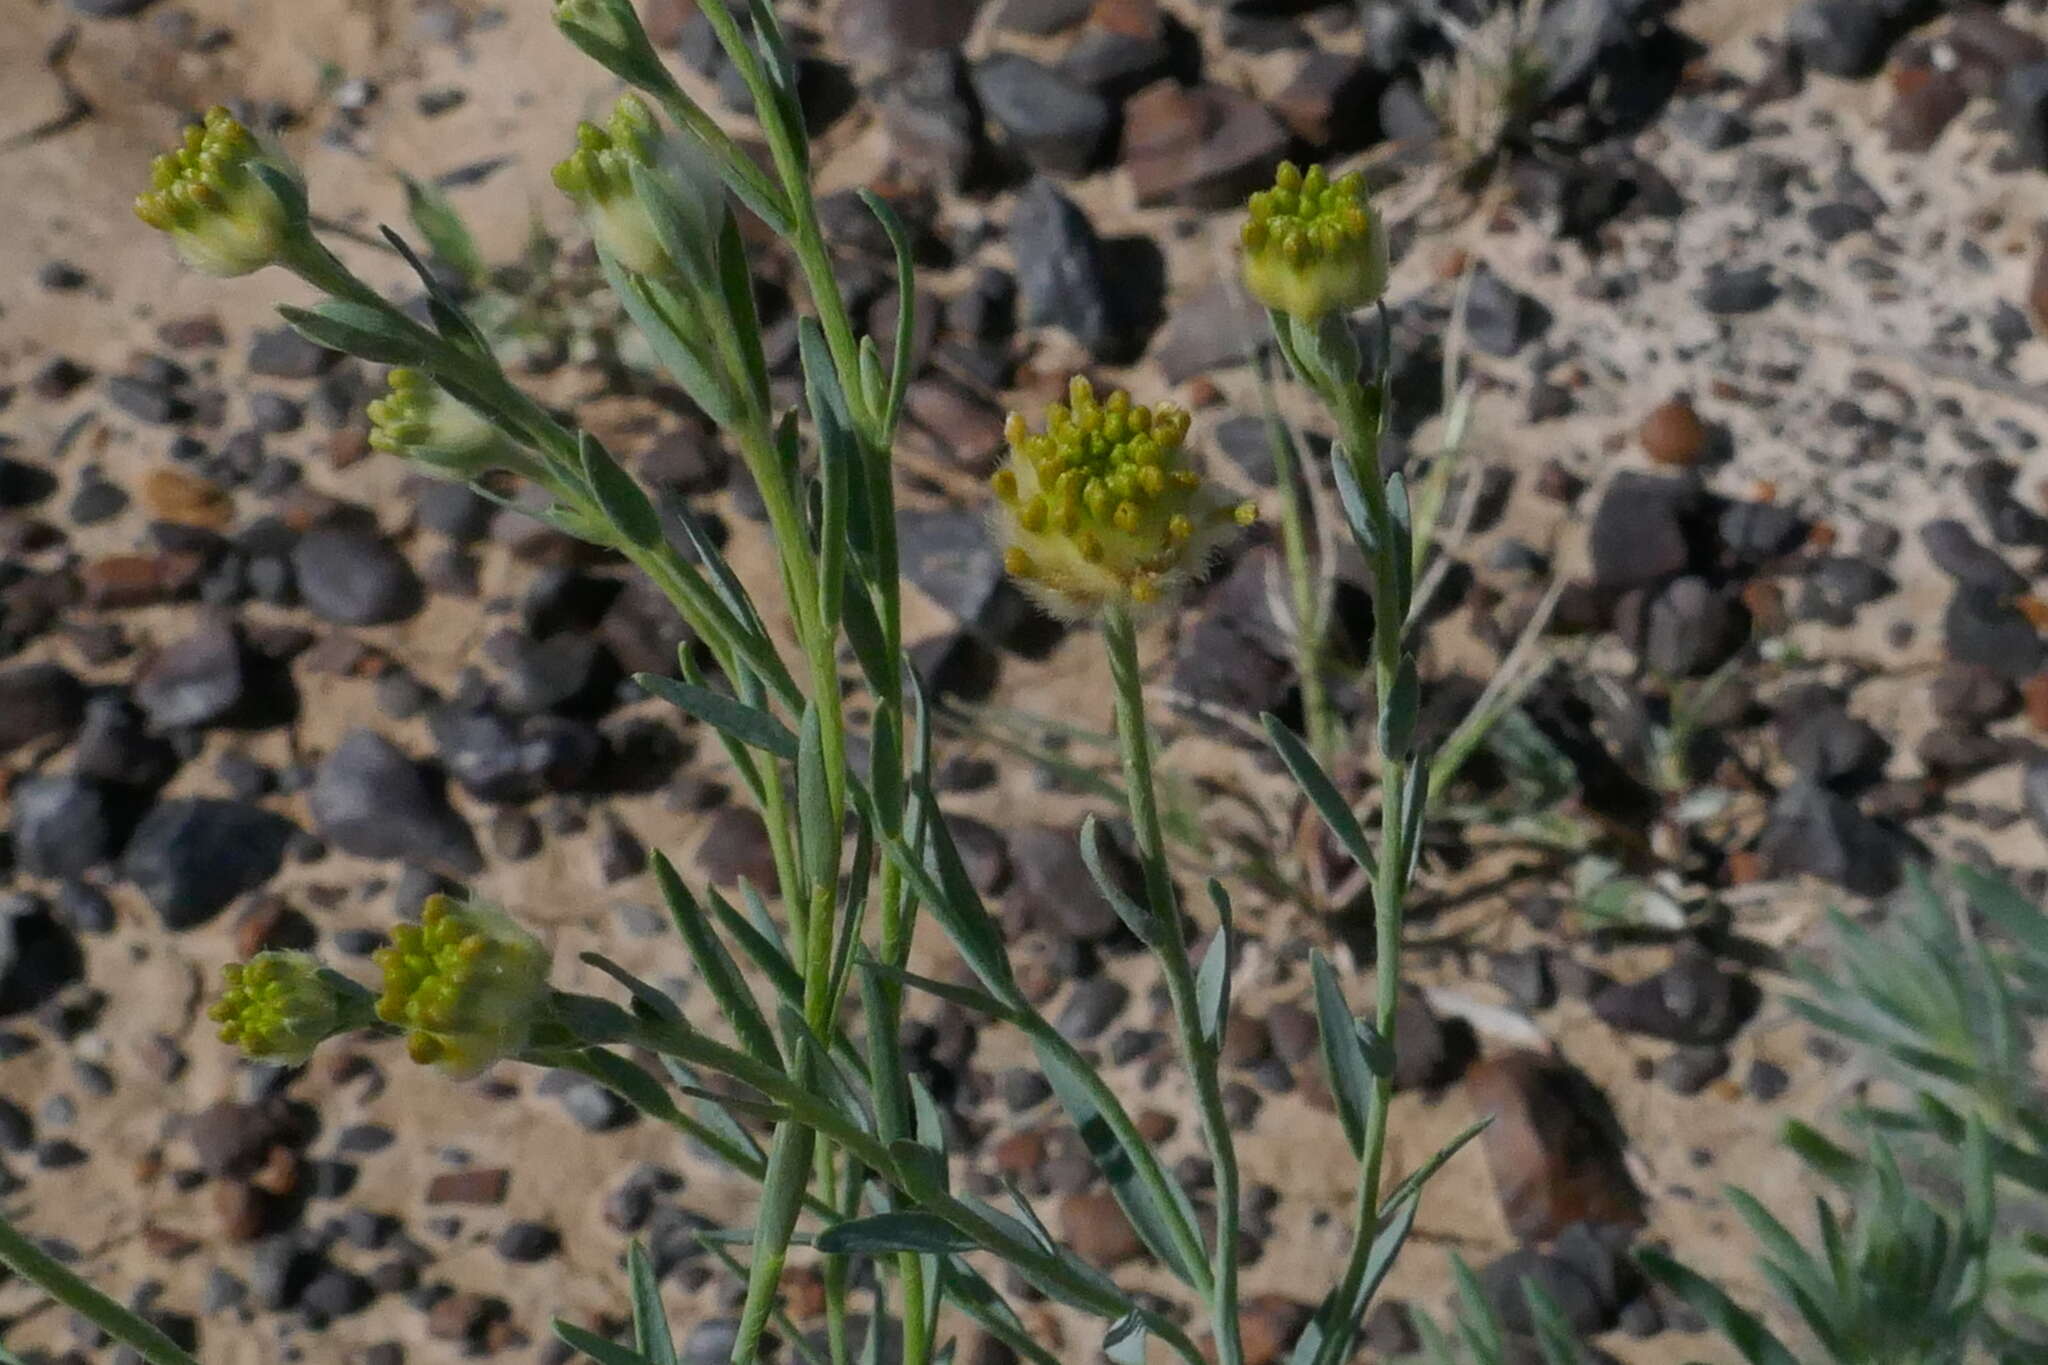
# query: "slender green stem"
{"points": [[1197, 1046], [1311, 628], [32, 1263], [1390, 888]]}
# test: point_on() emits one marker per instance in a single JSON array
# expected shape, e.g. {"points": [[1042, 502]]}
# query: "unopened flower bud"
{"points": [[224, 217], [598, 175], [1100, 509], [280, 1006], [1314, 246], [420, 421], [465, 984]]}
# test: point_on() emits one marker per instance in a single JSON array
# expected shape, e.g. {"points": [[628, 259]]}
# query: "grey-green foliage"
{"points": [[1933, 1250]]}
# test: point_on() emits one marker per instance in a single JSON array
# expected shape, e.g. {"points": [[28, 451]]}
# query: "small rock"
{"points": [[39, 701], [1766, 1081], [1958, 554], [38, 958], [1097, 1229], [1690, 1070], [1204, 146], [1501, 1284], [190, 857], [476, 1185], [1215, 329], [1673, 433], [1061, 276], [1059, 125], [1982, 628], [62, 825], [948, 555], [1819, 832], [1499, 319], [1828, 745], [194, 682], [1092, 1007], [1729, 291], [736, 848], [1639, 530], [354, 577], [185, 499], [1054, 890], [1551, 1147], [1691, 629], [2023, 104], [281, 353], [1844, 38], [369, 799], [525, 1243]]}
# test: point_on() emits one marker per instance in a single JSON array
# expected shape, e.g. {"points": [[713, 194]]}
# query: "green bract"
{"points": [[598, 175], [1314, 246], [1100, 509], [224, 216], [465, 984], [278, 1007]]}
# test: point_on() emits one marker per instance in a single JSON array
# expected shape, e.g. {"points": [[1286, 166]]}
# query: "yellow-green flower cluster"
{"points": [[598, 175], [420, 421], [278, 1007], [1100, 509], [224, 218], [1313, 245], [465, 984]]}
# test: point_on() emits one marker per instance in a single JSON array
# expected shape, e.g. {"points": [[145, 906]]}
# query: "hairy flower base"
{"points": [[277, 1007], [1100, 510], [224, 218], [1313, 246], [598, 175], [465, 984]]}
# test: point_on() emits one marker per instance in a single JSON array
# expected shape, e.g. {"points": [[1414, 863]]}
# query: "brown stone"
{"points": [[1333, 100], [1924, 102], [959, 427], [1268, 1325], [459, 1317], [803, 1293], [167, 1244], [478, 1185], [1673, 433], [1019, 1153], [119, 582], [1247, 1040], [2037, 287], [1204, 146], [2034, 698], [257, 926], [279, 1174], [1156, 1126], [1098, 1230], [173, 495], [243, 1210], [1551, 1147]]}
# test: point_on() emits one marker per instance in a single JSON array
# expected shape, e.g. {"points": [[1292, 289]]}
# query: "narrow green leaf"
{"points": [[1742, 1329], [359, 330], [650, 1320], [1344, 1056], [1212, 986], [1135, 917], [663, 320], [816, 828], [749, 726], [906, 307], [885, 773], [1120, 1163], [883, 1234], [1322, 793], [1398, 710], [721, 974], [596, 1347], [441, 224], [623, 502], [646, 998], [965, 996]]}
